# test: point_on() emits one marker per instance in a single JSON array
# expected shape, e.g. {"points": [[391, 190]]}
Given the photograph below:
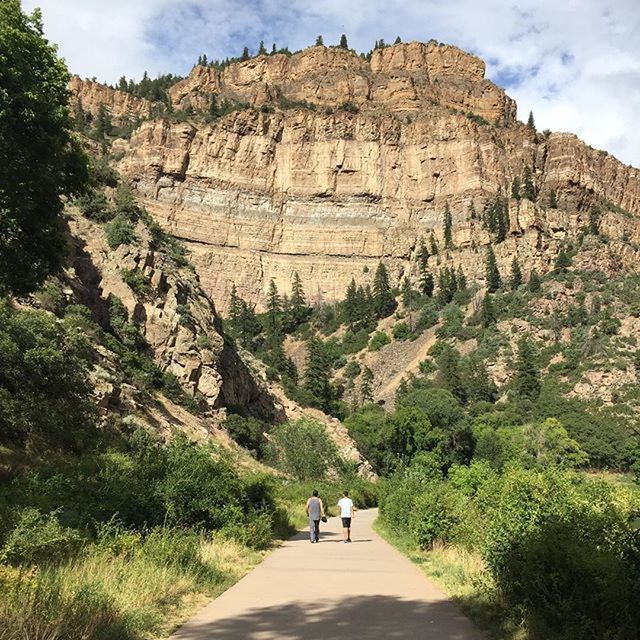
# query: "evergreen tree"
{"points": [[447, 227], [245, 54], [534, 283], [122, 84], [214, 108], [473, 214], [368, 307], [343, 42], [235, 306], [515, 188], [205, 62], [553, 199], [427, 283], [351, 305], [248, 325], [365, 386], [528, 188], [407, 293], [384, 302], [423, 256], [461, 279], [80, 117], [261, 50], [433, 245], [531, 122], [316, 375], [563, 261], [274, 311], [299, 308], [274, 49], [477, 381], [448, 376], [516, 274], [526, 381], [488, 315], [398, 40], [494, 281], [103, 124], [319, 42]]}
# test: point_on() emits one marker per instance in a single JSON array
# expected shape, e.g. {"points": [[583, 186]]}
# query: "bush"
{"points": [[120, 231], [247, 432], [137, 281], [379, 340], [401, 331], [303, 449], [39, 538], [434, 515]]}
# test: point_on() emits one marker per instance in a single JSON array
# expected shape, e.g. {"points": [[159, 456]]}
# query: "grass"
{"points": [[107, 595], [461, 575]]}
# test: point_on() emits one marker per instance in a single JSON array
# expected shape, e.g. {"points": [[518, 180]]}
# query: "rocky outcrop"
{"points": [[337, 162], [120, 105], [175, 317]]}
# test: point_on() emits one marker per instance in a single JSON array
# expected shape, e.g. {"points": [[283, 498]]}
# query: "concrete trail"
{"points": [[332, 591]]}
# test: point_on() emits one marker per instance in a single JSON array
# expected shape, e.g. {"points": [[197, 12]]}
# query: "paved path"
{"points": [[332, 591]]}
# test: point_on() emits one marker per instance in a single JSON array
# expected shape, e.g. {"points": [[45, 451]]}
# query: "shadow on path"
{"points": [[359, 618]]}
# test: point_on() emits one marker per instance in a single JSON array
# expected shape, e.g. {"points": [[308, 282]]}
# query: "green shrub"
{"points": [[434, 515], [137, 281], [39, 538], [302, 448], [353, 369], [247, 432], [94, 205], [120, 231], [401, 331], [379, 340]]}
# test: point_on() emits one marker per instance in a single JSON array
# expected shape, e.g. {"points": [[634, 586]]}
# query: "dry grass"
{"points": [[101, 596]]}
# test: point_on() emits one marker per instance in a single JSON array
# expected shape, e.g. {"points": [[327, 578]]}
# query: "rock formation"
{"points": [[331, 162]]}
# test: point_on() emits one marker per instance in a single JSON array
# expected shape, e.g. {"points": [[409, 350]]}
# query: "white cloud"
{"points": [[576, 63]]}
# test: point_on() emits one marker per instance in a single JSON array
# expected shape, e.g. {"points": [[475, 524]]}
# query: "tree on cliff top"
{"points": [[40, 161], [343, 42]]}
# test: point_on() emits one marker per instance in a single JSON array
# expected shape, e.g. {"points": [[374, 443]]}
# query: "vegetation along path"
{"points": [[332, 590]]}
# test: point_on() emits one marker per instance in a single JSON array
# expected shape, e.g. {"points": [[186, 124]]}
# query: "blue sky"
{"points": [[575, 63]]}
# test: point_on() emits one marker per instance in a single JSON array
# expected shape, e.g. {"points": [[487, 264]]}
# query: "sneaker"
{"points": [[348, 539]]}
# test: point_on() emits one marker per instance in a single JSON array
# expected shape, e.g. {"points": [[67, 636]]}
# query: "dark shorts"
{"points": [[346, 523]]}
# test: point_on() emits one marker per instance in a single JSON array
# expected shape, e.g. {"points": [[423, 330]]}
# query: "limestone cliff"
{"points": [[336, 162]]}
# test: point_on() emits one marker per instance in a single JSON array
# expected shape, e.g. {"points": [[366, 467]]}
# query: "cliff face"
{"points": [[328, 191], [120, 105]]}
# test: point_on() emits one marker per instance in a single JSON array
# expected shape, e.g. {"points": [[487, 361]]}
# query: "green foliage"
{"points": [[343, 42], [531, 122], [401, 331], [44, 392], [383, 300], [496, 218], [494, 281], [303, 449], [528, 188], [447, 227], [41, 163], [247, 432], [137, 281], [120, 231], [516, 274], [378, 340], [526, 382], [37, 538]]}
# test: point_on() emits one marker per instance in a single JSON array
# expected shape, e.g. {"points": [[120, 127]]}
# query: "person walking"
{"points": [[315, 510], [346, 513]]}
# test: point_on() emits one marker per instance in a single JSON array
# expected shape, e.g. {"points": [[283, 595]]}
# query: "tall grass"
{"points": [[108, 593]]}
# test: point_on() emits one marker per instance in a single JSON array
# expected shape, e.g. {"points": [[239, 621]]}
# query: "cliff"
{"points": [[332, 162]]}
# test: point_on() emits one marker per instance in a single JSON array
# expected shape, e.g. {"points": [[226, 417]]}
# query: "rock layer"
{"points": [[340, 162]]}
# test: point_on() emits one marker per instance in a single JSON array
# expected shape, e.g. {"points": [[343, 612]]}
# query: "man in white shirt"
{"points": [[346, 513]]}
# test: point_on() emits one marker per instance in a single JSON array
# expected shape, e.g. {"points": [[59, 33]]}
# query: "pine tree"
{"points": [[526, 381], [447, 227], [248, 325], [383, 299], [488, 316], [448, 375], [103, 123], [350, 305], [461, 279], [531, 122], [319, 42], [563, 261], [122, 84], [515, 188], [473, 214], [245, 54], [205, 62], [534, 283], [274, 311], [528, 188], [553, 199], [516, 274], [423, 256], [494, 281], [398, 40], [316, 375], [274, 49], [407, 293], [235, 305], [477, 381], [365, 386], [427, 283], [80, 116], [433, 245], [594, 220], [343, 42], [261, 50], [299, 308]]}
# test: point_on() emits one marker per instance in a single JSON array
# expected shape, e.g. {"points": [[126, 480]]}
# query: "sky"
{"points": [[574, 63]]}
